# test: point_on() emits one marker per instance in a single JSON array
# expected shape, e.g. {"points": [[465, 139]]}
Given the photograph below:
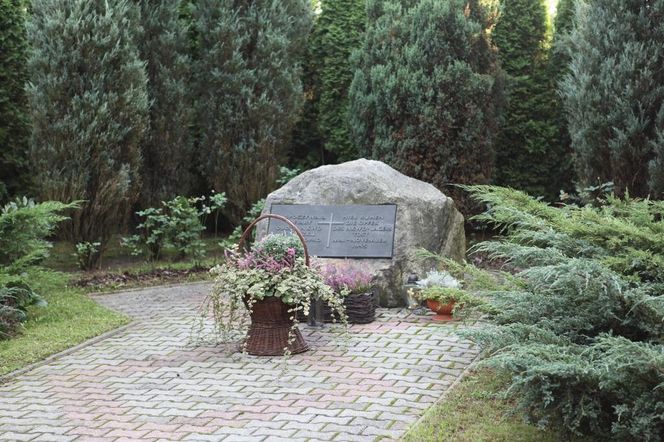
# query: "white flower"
{"points": [[437, 278]]}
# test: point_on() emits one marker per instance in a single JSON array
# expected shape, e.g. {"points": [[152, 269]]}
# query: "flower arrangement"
{"points": [[346, 279], [354, 286], [443, 288], [436, 278], [274, 268]]}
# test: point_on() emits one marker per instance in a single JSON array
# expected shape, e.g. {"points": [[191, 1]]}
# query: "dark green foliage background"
{"points": [[341, 29], [167, 152], [249, 91], [14, 121], [614, 95], [426, 93], [529, 152]]}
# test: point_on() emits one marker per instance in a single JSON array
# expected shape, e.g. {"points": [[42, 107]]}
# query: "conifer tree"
{"points": [[341, 25], [614, 95], [557, 69], [167, 150], [249, 92], [528, 154], [89, 106], [14, 127], [306, 150], [425, 93]]}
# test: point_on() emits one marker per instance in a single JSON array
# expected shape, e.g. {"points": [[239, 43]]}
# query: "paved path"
{"points": [[148, 383]]}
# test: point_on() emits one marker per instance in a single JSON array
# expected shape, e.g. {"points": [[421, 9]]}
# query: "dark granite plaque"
{"points": [[352, 231]]}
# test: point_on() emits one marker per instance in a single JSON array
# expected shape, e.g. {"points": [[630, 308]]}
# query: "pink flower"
{"points": [[346, 276]]}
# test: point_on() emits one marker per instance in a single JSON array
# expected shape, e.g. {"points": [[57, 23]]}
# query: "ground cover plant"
{"points": [[70, 318], [37, 311], [581, 331], [23, 227], [476, 410]]}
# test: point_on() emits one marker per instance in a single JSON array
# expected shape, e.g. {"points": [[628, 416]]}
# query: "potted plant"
{"points": [[354, 286], [272, 281], [443, 295]]}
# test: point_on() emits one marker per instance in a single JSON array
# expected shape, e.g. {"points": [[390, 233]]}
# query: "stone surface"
{"points": [[426, 218], [150, 383]]}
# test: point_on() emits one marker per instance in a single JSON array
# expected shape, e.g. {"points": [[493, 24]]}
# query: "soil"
{"points": [[105, 280]]}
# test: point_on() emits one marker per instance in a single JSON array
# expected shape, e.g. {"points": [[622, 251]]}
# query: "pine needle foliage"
{"points": [[614, 95], [249, 92], [89, 106], [14, 121], [583, 334], [425, 92]]}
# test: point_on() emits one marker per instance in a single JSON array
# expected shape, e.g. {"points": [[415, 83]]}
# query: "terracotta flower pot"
{"points": [[268, 332], [443, 311]]}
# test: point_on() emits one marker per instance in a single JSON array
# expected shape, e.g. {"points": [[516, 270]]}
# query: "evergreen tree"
{"points": [[249, 92], [528, 156], [564, 21], [557, 69], [425, 93], [89, 105], [167, 150], [306, 149], [14, 128], [341, 30], [614, 95]]}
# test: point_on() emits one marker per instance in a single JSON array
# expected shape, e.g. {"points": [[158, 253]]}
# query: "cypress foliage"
{"points": [[528, 153], [614, 95], [249, 91], [558, 67], [167, 150], [89, 105], [14, 128], [306, 148], [564, 21], [342, 27], [425, 93]]}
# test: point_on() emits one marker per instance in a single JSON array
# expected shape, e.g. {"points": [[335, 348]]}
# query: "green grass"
{"points": [[473, 411], [69, 319]]}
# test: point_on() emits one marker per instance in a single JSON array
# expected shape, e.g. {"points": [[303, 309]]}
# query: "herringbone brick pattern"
{"points": [[149, 383]]}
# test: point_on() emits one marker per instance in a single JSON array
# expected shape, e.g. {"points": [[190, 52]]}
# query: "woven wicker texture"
{"points": [[268, 333], [360, 308], [270, 319]]}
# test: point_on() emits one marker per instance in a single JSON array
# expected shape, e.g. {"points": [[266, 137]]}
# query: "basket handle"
{"points": [[293, 227]]}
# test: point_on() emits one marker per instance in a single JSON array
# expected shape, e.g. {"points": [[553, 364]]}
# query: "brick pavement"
{"points": [[149, 383]]}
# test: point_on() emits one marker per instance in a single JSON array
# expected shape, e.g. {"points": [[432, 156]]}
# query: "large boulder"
{"points": [[426, 218]]}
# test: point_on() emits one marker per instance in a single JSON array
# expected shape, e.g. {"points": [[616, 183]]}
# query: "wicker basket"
{"points": [[360, 308], [270, 319], [270, 325]]}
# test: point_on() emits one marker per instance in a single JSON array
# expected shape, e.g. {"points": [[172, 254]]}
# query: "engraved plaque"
{"points": [[350, 231]]}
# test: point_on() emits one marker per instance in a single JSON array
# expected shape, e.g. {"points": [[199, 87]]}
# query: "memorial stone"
{"points": [[325, 197], [334, 231]]}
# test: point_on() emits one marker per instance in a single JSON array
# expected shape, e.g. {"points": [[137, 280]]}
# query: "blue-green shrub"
{"points": [[582, 333]]}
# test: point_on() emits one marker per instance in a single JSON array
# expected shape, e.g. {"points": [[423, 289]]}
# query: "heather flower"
{"points": [[346, 276]]}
